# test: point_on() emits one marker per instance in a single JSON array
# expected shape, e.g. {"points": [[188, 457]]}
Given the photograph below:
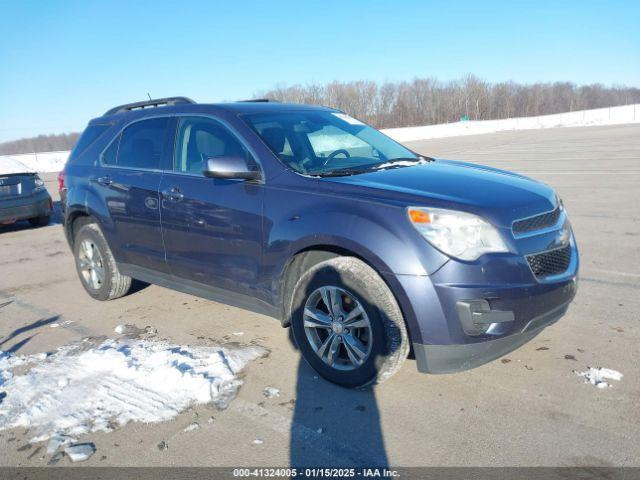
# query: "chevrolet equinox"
{"points": [[369, 251]]}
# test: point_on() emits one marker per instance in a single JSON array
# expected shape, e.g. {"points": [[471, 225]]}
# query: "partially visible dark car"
{"points": [[23, 195]]}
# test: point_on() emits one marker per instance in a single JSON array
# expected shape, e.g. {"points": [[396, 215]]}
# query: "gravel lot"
{"points": [[531, 410]]}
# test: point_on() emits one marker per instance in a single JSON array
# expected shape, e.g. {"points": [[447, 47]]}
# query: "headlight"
{"points": [[39, 184], [458, 234]]}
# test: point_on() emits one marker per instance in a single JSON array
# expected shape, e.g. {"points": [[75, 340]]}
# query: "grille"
{"points": [[552, 262], [537, 223]]}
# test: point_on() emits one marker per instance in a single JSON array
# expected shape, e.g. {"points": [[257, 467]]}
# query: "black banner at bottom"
{"points": [[404, 473]]}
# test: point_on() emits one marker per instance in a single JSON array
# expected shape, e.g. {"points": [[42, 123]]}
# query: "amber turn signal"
{"points": [[419, 216]]}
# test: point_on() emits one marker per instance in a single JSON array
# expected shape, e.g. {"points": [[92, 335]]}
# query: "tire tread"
{"points": [[119, 284]]}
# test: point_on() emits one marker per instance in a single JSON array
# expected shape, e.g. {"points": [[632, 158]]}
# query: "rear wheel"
{"points": [[96, 266], [41, 221], [347, 323]]}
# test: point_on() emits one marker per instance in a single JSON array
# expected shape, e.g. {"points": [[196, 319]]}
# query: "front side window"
{"points": [[142, 144], [326, 143], [201, 138]]}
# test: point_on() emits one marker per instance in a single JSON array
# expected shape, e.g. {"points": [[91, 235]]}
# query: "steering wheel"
{"points": [[332, 155]]}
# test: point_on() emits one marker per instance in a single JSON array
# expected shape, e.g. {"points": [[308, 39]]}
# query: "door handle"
{"points": [[173, 194], [104, 181]]}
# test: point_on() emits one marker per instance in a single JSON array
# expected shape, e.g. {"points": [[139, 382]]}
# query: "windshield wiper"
{"points": [[341, 172], [402, 162], [372, 167]]}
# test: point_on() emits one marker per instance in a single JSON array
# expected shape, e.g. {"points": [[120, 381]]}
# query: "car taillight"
{"points": [[61, 181]]}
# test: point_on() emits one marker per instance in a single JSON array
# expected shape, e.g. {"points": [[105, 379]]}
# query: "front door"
{"points": [[212, 228]]}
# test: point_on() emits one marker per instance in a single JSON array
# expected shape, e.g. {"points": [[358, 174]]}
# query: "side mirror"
{"points": [[232, 167]]}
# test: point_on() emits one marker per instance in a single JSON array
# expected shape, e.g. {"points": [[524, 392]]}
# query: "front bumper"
{"points": [[457, 358], [23, 208], [470, 313]]}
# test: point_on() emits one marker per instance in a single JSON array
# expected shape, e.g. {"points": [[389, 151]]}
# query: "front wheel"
{"points": [[347, 323]]}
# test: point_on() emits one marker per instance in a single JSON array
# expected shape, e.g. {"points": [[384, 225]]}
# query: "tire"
{"points": [[41, 221], [380, 330], [112, 283]]}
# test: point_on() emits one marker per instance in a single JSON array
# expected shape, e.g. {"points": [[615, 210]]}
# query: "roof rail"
{"points": [[260, 100], [149, 103]]}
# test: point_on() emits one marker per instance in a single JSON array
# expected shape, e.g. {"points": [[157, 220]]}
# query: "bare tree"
{"points": [[421, 101], [426, 101]]}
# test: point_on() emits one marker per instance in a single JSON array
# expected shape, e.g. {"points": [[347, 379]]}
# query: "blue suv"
{"points": [[368, 250]]}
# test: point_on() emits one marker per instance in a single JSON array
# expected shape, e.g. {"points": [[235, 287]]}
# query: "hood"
{"points": [[498, 195]]}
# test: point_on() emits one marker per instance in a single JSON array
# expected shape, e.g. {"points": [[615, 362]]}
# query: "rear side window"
{"points": [[90, 135], [141, 145]]}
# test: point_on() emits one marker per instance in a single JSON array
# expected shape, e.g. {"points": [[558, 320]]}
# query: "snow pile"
{"points": [[9, 165], [598, 376], [86, 387], [37, 162], [80, 452], [600, 116]]}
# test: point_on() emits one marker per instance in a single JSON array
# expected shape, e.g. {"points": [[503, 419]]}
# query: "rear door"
{"points": [[129, 180], [212, 228]]}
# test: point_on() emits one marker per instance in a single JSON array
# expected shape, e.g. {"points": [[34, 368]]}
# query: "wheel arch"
{"points": [[307, 257], [74, 221]]}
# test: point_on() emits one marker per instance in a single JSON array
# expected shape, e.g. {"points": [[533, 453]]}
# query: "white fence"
{"points": [[54, 161]]}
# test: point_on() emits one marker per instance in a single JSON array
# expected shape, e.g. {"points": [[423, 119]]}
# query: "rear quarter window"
{"points": [[110, 155], [88, 137]]}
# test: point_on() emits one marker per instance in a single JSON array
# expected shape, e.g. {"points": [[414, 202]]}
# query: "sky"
{"points": [[63, 62]]}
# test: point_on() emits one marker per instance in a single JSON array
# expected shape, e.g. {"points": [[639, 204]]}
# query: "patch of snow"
{"points": [[58, 441], [37, 162], [271, 392], [258, 441], [133, 331], [128, 330], [63, 324], [620, 115], [191, 427], [80, 452], [80, 389], [598, 376], [10, 165]]}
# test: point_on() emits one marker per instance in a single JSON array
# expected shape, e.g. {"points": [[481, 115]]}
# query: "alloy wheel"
{"points": [[337, 328], [91, 264]]}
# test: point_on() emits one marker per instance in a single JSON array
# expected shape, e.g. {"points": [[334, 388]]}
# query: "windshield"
{"points": [[322, 143]]}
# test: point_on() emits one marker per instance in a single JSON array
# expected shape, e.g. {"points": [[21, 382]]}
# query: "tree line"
{"points": [[41, 143], [421, 101], [427, 101]]}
